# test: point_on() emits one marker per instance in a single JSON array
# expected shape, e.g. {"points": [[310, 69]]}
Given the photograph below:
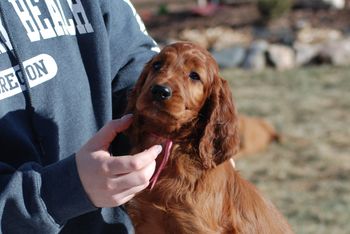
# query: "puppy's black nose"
{"points": [[161, 93]]}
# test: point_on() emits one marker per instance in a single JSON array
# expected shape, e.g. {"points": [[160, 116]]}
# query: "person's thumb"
{"points": [[106, 135]]}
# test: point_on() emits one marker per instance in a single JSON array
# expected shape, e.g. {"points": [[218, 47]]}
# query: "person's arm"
{"points": [[131, 52], [36, 199], [25, 194], [130, 46]]}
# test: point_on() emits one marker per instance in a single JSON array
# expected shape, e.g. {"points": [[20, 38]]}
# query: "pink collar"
{"points": [[168, 145]]}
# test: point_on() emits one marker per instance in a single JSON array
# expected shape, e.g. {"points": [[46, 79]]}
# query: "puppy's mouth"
{"points": [[157, 112], [166, 111]]}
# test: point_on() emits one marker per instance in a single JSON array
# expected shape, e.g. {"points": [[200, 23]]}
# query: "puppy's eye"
{"points": [[194, 76], [157, 65]]}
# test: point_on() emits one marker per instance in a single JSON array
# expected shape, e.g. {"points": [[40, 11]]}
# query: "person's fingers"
{"points": [[121, 201], [233, 163], [129, 180], [127, 164], [107, 133], [125, 196]]}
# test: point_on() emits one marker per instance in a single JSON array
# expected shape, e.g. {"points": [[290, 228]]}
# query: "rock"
{"points": [[309, 35], [335, 4], [255, 58], [282, 57], [283, 35], [229, 57], [216, 37], [196, 36], [336, 52], [305, 53], [224, 37]]}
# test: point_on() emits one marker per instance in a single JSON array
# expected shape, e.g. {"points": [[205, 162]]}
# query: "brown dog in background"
{"points": [[181, 102], [255, 135]]}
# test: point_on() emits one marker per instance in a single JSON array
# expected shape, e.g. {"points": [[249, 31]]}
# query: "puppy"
{"points": [[181, 102], [255, 135]]}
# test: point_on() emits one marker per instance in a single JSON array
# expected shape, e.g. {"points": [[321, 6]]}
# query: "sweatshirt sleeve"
{"points": [[130, 45], [26, 194]]}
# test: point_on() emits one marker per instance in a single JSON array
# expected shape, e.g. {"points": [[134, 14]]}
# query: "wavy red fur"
{"points": [[198, 190]]}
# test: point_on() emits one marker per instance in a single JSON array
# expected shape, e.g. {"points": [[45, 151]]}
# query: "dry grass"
{"points": [[307, 175]]}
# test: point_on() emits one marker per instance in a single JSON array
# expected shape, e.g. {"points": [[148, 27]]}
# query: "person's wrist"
{"points": [[63, 192]]}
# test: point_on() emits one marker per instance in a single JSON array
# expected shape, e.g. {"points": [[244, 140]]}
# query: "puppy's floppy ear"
{"points": [[220, 140], [136, 90]]}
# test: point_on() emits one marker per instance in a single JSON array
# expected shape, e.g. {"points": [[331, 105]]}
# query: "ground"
{"points": [[307, 174]]}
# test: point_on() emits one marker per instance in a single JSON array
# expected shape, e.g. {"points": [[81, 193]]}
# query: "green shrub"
{"points": [[163, 9], [272, 9]]}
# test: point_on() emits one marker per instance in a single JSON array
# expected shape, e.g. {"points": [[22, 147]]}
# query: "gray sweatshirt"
{"points": [[64, 66]]}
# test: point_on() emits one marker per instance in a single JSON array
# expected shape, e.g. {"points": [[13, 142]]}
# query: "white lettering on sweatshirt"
{"points": [[141, 24], [39, 27], [6, 44], [38, 69]]}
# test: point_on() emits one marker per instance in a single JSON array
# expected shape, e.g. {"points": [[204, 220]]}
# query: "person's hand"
{"points": [[112, 181]]}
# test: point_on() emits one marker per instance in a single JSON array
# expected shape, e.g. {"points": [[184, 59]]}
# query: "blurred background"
{"points": [[288, 63]]}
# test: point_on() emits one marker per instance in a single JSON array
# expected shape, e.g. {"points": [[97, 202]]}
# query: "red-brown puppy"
{"points": [[255, 135], [181, 102]]}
